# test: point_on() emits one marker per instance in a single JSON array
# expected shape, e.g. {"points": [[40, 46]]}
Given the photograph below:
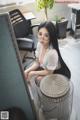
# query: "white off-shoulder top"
{"points": [[50, 60]]}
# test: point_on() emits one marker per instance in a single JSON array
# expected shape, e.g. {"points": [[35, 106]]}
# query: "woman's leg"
{"points": [[38, 80]]}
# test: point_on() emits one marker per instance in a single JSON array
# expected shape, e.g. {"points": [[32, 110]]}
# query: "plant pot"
{"points": [[61, 28]]}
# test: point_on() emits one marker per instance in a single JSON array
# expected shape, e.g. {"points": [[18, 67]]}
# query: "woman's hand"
{"points": [[31, 74], [26, 74]]}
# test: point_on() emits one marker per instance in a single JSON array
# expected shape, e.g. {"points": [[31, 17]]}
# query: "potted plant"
{"points": [[45, 4], [58, 18], [61, 26]]}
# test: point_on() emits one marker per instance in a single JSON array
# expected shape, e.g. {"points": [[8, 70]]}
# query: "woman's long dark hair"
{"points": [[64, 70]]}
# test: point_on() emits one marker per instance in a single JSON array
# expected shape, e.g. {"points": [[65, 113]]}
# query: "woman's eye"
{"points": [[46, 35], [40, 34]]}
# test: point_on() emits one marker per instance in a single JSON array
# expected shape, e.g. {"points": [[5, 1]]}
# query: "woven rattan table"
{"points": [[56, 96]]}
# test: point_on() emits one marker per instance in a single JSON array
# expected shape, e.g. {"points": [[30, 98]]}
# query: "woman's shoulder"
{"points": [[52, 52]]}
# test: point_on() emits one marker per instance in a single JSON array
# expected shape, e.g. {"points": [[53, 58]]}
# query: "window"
{"points": [[8, 2], [68, 1]]}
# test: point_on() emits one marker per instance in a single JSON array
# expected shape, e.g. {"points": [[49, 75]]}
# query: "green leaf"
{"points": [[44, 3]]}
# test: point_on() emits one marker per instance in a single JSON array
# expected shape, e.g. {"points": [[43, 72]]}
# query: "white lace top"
{"points": [[50, 60]]}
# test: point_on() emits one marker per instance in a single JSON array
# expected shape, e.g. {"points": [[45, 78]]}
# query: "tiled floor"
{"points": [[71, 54]]}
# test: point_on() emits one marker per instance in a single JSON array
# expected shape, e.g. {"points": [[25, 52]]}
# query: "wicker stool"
{"points": [[56, 96]]}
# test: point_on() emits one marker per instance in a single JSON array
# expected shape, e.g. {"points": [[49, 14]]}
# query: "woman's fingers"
{"points": [[30, 74]]}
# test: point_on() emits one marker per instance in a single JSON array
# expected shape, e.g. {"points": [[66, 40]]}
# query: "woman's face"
{"points": [[43, 36]]}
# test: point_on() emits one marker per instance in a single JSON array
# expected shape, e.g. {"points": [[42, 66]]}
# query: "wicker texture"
{"points": [[56, 107], [54, 85]]}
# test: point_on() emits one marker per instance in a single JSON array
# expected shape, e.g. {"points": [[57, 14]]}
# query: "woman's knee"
{"points": [[38, 80]]}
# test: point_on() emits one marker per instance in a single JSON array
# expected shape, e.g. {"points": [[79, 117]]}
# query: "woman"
{"points": [[48, 57]]}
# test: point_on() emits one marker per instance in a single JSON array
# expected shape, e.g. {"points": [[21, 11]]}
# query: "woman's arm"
{"points": [[34, 66], [41, 72]]}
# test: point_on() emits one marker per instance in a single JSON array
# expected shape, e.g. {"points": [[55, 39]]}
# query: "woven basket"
{"points": [[55, 95]]}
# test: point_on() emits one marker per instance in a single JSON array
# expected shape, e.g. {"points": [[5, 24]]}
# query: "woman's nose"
{"points": [[42, 39], [42, 36]]}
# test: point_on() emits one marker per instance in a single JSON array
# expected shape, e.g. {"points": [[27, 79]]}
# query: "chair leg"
{"points": [[28, 57], [24, 57], [34, 54]]}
